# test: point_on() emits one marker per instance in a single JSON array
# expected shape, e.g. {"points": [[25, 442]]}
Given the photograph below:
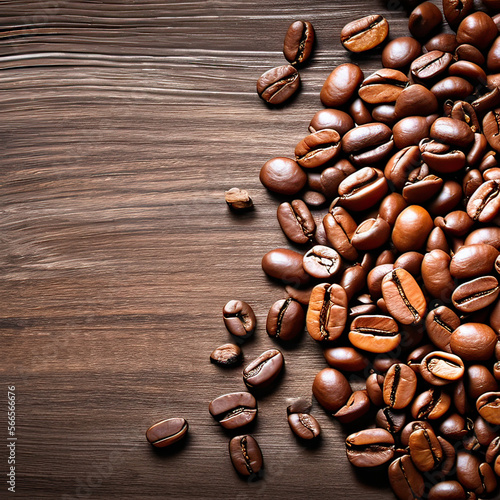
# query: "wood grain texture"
{"points": [[123, 122]]}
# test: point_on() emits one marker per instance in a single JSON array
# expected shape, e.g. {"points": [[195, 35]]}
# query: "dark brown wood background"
{"points": [[122, 124]]}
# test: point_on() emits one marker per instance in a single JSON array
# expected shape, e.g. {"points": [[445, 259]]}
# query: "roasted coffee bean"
{"points": [[345, 358], [285, 265], [371, 234], [417, 355], [484, 431], [400, 52], [410, 131], [375, 277], [493, 59], [167, 432], [468, 70], [277, 85], [365, 33], [488, 235], [476, 153], [359, 112], [283, 176], [488, 406], [385, 113], [264, 370], [341, 85], [296, 221], [424, 19], [400, 165], [304, 425], [368, 144], [227, 355], [411, 262], [473, 342], [412, 228], [327, 312], [421, 190], [474, 475], [416, 100], [446, 42], [285, 319], [400, 384], [449, 456], [318, 148], [331, 177], [403, 297], [467, 52], [363, 189], [374, 333], [234, 410], [454, 427], [448, 490], [340, 228], [491, 128], [356, 406], [447, 199], [456, 10], [332, 119], [479, 381], [453, 88], [436, 274], [238, 199], [390, 420], [430, 65], [299, 42], [441, 368], [478, 29], [412, 427], [440, 323], [456, 223], [405, 479], [239, 318], [425, 450], [437, 241], [452, 132], [441, 157], [322, 262], [475, 294], [431, 404], [370, 447], [374, 384], [493, 450], [331, 389], [385, 85], [245, 455]]}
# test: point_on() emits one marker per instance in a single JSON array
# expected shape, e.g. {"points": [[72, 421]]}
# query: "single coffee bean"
{"points": [[385, 113], [456, 10], [318, 148], [331, 389], [277, 85], [411, 427], [264, 370], [475, 294], [332, 119], [227, 355], [447, 199], [410, 131], [437, 241], [403, 297], [371, 234], [375, 277], [341, 85], [239, 318], [285, 319], [416, 100], [431, 404], [447, 490], [370, 447], [327, 312], [368, 144], [400, 384], [430, 65], [283, 176], [452, 132], [479, 381], [374, 384], [425, 450], [374, 333], [453, 88], [467, 52], [468, 70], [245, 455], [296, 221], [491, 128], [322, 262], [441, 368], [383, 86], [484, 431], [365, 33], [400, 165], [424, 19], [488, 406], [449, 456], [234, 410], [440, 323], [345, 358], [473, 342], [411, 262], [493, 59], [421, 189], [238, 199], [299, 42], [412, 228], [474, 475], [493, 450], [446, 42], [340, 228], [356, 406], [405, 479], [478, 29], [489, 235], [167, 432], [454, 427], [400, 52], [304, 425], [390, 420], [285, 265], [441, 157], [456, 223], [359, 112]]}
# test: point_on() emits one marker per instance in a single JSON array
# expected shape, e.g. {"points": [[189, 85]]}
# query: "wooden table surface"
{"points": [[123, 123]]}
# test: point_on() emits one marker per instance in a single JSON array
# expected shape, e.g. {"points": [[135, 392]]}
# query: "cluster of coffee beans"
{"points": [[278, 84], [398, 280]]}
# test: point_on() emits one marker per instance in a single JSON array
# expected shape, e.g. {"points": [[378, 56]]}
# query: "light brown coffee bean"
{"points": [[167, 432], [299, 42], [374, 333], [277, 85], [441, 368], [365, 33], [400, 384], [475, 294]]}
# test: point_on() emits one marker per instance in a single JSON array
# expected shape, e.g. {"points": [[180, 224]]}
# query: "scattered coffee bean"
{"points": [[234, 410], [299, 42], [370, 447], [264, 370], [245, 455], [239, 318], [285, 319], [365, 33], [167, 432], [227, 355], [277, 85], [238, 199]]}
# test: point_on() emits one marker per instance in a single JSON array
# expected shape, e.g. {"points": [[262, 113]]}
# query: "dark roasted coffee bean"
{"points": [[390, 420], [403, 297], [456, 223], [410, 131], [478, 29], [374, 333], [234, 410], [422, 189], [447, 490], [430, 65], [227, 355], [473, 342], [425, 450], [493, 450], [416, 100], [277, 85], [374, 384], [345, 358], [331, 177], [365, 33], [468, 70], [370, 447], [383, 86], [264, 370], [400, 165], [474, 475], [322, 262], [332, 119], [359, 112], [400, 384], [447, 199], [363, 189], [441, 157], [475, 294], [368, 144], [340, 228], [299, 42], [296, 221], [493, 59], [285, 265], [406, 481], [385, 113], [283, 176], [356, 406], [239, 318], [479, 381], [452, 87], [331, 389], [440, 323], [327, 312], [238, 199], [452, 132], [449, 456], [437, 241], [453, 427], [304, 425], [477, 152], [424, 19], [484, 431], [411, 262], [400, 52], [446, 42], [167, 432], [375, 277], [467, 52], [441, 368], [491, 128], [341, 85], [245, 455], [391, 206], [285, 319], [488, 406], [318, 148], [371, 234], [431, 404], [412, 228], [456, 10]]}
